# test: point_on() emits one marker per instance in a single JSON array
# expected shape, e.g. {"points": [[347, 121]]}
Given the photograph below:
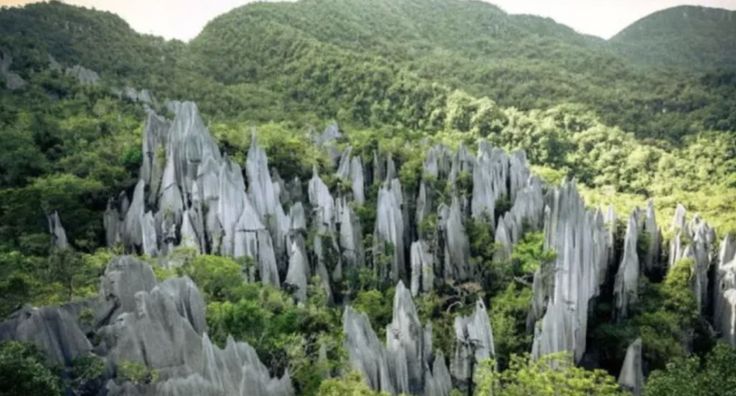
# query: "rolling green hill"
{"points": [[688, 37], [521, 61]]}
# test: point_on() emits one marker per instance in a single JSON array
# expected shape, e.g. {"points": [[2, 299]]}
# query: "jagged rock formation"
{"points": [[159, 325], [626, 286], [365, 352], [389, 232], [422, 268], [654, 236], [407, 364], [724, 292], [473, 344], [84, 75], [189, 195], [631, 377], [58, 234], [54, 330], [142, 96], [563, 292], [457, 246], [694, 240], [197, 198]]}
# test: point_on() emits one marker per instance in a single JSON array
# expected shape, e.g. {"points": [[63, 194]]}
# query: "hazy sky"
{"points": [[183, 19]]}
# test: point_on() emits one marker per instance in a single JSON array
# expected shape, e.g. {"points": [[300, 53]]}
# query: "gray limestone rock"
{"points": [[357, 180], [154, 142], [149, 237], [123, 278], [724, 291], [631, 377], [83, 75], [164, 331], [405, 344], [438, 382], [323, 204], [53, 329], [131, 231], [58, 234], [422, 268], [651, 260], [365, 352], [390, 229], [457, 246], [351, 237], [565, 288], [473, 344], [298, 275], [626, 286], [112, 223], [504, 241], [230, 203]]}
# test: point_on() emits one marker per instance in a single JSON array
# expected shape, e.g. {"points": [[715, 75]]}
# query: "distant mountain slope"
{"points": [[101, 41], [328, 54], [379, 62], [695, 38]]}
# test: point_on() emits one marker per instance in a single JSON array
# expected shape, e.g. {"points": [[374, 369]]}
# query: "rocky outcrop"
{"points": [[422, 268], [365, 352], [158, 325], [389, 231], [54, 330], [652, 263], [631, 377], [724, 292], [564, 289], [58, 234], [457, 246], [83, 75], [408, 344], [626, 286], [694, 240], [407, 363], [473, 344]]}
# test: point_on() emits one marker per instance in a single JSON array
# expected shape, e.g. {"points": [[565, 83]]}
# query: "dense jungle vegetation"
{"points": [[628, 123]]}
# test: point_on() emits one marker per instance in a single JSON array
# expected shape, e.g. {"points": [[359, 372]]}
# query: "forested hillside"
{"points": [[513, 207], [693, 38]]}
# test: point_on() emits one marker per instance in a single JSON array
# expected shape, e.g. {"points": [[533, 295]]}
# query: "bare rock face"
{"points": [[563, 292], [473, 344], [163, 328], [407, 341], [406, 364], [422, 268], [351, 237], [457, 246], [58, 234], [298, 275], [724, 291], [490, 175], [323, 203], [54, 330], [626, 286], [389, 232], [631, 377], [83, 75], [159, 325], [654, 235], [365, 352], [694, 240]]}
